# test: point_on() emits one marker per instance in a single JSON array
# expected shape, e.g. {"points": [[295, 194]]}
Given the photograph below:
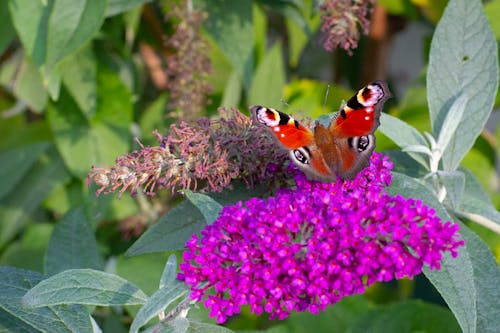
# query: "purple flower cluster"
{"points": [[308, 247]]}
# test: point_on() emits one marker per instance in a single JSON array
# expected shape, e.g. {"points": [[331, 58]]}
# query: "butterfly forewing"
{"points": [[286, 130], [360, 115]]}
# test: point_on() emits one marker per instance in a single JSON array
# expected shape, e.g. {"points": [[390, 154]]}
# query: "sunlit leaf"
{"points": [[99, 140], [269, 80], [51, 30], [463, 59], [229, 23], [80, 78]]}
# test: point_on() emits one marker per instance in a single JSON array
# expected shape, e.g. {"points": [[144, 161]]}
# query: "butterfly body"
{"points": [[343, 148]]}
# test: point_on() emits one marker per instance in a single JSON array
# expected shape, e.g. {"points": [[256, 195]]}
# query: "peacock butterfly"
{"points": [[343, 148]]}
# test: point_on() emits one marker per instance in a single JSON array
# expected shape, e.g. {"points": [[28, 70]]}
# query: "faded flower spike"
{"points": [[308, 247], [188, 64], [340, 20], [206, 156]]}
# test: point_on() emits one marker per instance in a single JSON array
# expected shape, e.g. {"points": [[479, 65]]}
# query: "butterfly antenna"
{"points": [[326, 97], [284, 102]]}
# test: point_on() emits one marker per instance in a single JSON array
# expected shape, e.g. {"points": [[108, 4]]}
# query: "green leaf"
{"points": [[16, 209], [52, 81], [157, 303], [454, 182], [232, 92], [408, 316], [230, 25], [300, 33], [7, 33], [473, 187], [290, 9], [119, 6], [51, 30], [309, 96], [14, 317], [16, 163], [169, 272], [450, 123], [482, 315], [239, 192], [95, 326], [153, 118], [403, 134], [297, 39], [101, 139], [468, 282], [476, 205], [72, 245], [18, 132], [144, 271], [171, 232], [463, 59], [84, 286], [480, 212], [80, 78], [208, 207], [403, 163], [30, 87], [260, 23], [400, 7], [28, 252], [186, 325], [492, 8], [337, 318], [269, 80]]}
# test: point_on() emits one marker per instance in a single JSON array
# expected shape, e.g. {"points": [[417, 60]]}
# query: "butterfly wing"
{"points": [[360, 115], [296, 138], [286, 130], [352, 131]]}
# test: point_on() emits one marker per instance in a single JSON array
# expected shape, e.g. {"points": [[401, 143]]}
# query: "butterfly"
{"points": [[343, 148]]}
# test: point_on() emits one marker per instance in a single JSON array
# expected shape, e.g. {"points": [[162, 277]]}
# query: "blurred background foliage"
{"points": [[77, 86]]}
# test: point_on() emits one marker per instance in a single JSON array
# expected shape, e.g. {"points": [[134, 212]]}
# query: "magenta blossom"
{"points": [[308, 247]]}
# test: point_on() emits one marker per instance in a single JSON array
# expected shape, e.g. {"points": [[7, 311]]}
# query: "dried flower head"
{"points": [[309, 247], [206, 156], [188, 64], [340, 20]]}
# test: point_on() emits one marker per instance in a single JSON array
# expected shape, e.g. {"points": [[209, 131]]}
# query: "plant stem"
{"points": [[479, 219]]}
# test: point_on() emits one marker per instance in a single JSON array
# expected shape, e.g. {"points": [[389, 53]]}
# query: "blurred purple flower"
{"points": [[308, 247], [340, 19]]}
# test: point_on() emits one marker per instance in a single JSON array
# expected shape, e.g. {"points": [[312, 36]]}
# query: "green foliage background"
{"points": [[74, 92]]}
